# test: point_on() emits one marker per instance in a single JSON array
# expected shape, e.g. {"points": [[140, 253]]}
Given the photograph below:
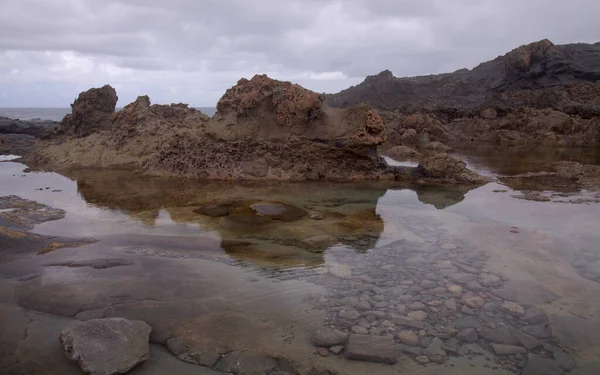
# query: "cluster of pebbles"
{"points": [[431, 301]]}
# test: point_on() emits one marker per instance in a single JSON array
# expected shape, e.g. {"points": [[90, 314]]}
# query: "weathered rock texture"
{"points": [[263, 129], [540, 93], [107, 346]]}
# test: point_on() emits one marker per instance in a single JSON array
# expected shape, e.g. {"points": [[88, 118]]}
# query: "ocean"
{"points": [[57, 114]]}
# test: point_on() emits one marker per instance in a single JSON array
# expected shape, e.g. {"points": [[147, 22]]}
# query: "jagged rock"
{"points": [[92, 111], [107, 346]]}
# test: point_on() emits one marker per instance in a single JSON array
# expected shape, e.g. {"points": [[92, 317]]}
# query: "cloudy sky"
{"points": [[192, 50]]}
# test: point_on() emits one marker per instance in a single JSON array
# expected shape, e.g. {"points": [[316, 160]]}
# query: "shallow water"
{"points": [[277, 281]]}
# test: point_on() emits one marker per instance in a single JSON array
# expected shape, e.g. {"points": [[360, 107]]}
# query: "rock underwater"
{"points": [[264, 129]]}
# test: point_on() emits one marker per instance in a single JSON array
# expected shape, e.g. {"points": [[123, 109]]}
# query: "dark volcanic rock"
{"points": [[538, 93], [34, 128]]}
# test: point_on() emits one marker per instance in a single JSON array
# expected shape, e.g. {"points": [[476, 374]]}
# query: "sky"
{"points": [[191, 51]]}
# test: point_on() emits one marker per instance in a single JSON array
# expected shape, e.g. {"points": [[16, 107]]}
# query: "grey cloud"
{"points": [[191, 50]]}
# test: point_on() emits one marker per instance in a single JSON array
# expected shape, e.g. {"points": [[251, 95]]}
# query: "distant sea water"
{"points": [[57, 114]]}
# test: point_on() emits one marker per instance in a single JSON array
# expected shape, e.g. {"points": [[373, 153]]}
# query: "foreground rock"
{"points": [[371, 348], [539, 93], [107, 346], [264, 129]]}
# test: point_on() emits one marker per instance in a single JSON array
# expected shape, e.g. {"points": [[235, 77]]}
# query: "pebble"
{"points": [[418, 315], [422, 359], [401, 309], [360, 330], [408, 338], [428, 284], [363, 305], [513, 308], [349, 315], [475, 302], [467, 335], [323, 352], [501, 349], [448, 246], [451, 304], [336, 349], [455, 289], [435, 351], [417, 306], [466, 310]]}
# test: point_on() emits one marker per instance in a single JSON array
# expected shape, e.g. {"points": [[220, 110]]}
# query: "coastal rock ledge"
{"points": [[264, 129]]}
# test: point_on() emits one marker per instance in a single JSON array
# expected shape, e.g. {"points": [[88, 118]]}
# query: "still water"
{"points": [[196, 261]]}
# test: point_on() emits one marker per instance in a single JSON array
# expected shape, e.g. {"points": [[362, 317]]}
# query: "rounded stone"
{"points": [[455, 289], [409, 338], [417, 315]]}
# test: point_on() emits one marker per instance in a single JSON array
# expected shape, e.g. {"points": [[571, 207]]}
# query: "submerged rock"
{"points": [[371, 349], [107, 346]]}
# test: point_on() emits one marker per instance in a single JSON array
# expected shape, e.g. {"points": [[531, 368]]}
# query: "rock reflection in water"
{"points": [[265, 223]]}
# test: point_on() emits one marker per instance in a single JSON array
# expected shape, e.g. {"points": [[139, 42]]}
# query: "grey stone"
{"points": [[466, 310], [452, 346], [337, 349], [466, 268], [541, 366], [417, 306], [107, 346], [378, 290], [467, 335], [499, 336], [435, 352], [350, 301], [409, 338], [360, 330], [401, 309], [462, 278], [428, 284], [526, 340], [349, 315], [413, 351], [363, 305], [501, 349], [371, 349], [535, 315], [474, 286], [467, 322], [326, 337], [471, 349], [376, 313], [491, 306], [451, 304], [537, 330], [422, 359], [407, 322]]}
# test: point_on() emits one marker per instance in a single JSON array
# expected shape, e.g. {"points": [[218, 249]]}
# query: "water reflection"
{"points": [[330, 213]]}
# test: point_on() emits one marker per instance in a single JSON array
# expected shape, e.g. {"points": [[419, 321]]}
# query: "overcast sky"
{"points": [[193, 50]]}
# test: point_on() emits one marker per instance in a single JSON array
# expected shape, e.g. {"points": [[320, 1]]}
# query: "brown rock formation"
{"points": [[264, 130]]}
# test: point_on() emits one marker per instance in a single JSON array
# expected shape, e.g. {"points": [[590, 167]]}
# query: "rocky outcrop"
{"points": [[107, 346], [92, 111], [444, 166], [34, 128], [506, 100], [264, 129]]}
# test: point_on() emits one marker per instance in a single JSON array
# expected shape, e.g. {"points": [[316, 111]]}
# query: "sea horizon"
{"points": [[58, 113]]}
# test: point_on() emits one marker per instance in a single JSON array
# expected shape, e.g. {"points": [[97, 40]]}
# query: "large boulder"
{"points": [[92, 111], [107, 346]]}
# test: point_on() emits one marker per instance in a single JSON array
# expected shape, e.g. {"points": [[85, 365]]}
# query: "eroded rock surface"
{"points": [[107, 346]]}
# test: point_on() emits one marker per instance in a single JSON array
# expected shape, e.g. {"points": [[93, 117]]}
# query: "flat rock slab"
{"points": [[107, 346], [371, 348]]}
